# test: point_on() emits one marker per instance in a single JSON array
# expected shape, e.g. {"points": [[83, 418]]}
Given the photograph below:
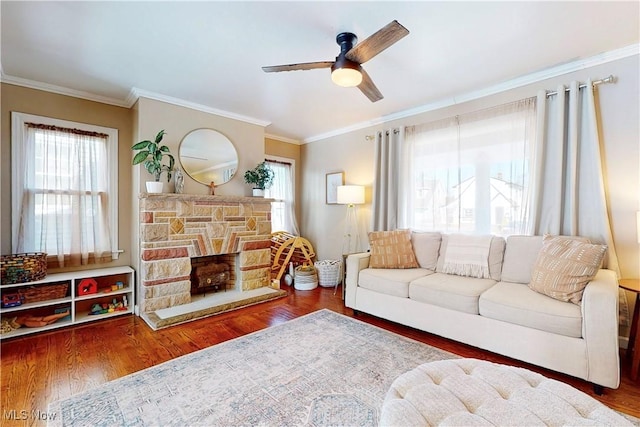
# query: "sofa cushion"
{"points": [[391, 249], [426, 246], [516, 303], [450, 291], [564, 267], [520, 254], [390, 281], [496, 252]]}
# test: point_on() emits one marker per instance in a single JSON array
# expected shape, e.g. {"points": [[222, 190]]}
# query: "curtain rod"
{"points": [[66, 130], [610, 79], [280, 162], [372, 137]]}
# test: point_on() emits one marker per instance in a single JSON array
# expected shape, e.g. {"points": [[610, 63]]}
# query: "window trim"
{"points": [[18, 121]]}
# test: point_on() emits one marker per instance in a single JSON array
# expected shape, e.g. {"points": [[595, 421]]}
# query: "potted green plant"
{"points": [[261, 177], [152, 153]]}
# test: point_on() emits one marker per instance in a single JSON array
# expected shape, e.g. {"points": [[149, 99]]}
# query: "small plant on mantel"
{"points": [[152, 153], [261, 177]]}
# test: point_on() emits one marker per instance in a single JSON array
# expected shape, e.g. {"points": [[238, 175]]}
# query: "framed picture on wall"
{"points": [[334, 180]]}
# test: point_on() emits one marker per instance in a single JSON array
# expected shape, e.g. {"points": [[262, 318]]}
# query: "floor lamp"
{"points": [[351, 195]]}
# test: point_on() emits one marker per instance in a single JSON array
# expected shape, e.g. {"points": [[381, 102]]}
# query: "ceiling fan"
{"points": [[346, 70]]}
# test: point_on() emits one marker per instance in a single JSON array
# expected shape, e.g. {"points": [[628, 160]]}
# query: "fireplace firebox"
{"points": [[212, 273], [213, 277]]}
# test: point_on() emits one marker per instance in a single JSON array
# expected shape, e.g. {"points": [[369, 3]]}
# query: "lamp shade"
{"points": [[346, 77], [350, 194], [346, 73], [637, 225]]}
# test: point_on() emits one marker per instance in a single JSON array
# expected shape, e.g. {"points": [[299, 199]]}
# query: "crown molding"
{"points": [[60, 90], [531, 78], [283, 139], [128, 102], [140, 93]]}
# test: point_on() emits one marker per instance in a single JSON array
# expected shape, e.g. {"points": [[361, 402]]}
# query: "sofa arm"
{"points": [[600, 328], [355, 263]]}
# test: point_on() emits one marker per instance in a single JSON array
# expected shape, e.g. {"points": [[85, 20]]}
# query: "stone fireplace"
{"points": [[176, 228]]}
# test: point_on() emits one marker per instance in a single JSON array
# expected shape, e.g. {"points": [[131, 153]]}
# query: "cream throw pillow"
{"points": [[391, 249], [426, 246], [564, 267]]}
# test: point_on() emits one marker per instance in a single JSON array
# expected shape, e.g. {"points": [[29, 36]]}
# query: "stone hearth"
{"points": [[177, 227]]}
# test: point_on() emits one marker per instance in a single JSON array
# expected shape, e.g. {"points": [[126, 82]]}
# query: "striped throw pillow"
{"points": [[564, 267], [391, 249]]}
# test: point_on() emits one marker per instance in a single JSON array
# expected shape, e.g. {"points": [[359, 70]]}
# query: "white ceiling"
{"points": [[210, 53]]}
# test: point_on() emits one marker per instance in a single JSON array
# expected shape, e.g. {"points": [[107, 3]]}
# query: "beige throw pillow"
{"points": [[391, 249], [426, 246], [564, 267]]}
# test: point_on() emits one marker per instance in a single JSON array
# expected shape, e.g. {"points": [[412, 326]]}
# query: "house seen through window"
{"points": [[471, 173]]}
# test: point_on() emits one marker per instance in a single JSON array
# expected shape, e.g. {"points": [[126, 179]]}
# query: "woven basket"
{"points": [[22, 268], [328, 272], [44, 292], [306, 278]]}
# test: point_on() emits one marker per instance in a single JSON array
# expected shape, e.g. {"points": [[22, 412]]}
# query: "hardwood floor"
{"points": [[45, 367]]}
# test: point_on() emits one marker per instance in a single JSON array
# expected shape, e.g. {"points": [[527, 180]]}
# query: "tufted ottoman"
{"points": [[475, 392]]}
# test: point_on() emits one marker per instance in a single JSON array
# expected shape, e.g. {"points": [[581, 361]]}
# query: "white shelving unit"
{"points": [[79, 305]]}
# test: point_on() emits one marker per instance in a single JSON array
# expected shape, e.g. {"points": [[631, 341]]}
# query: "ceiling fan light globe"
{"points": [[346, 77]]}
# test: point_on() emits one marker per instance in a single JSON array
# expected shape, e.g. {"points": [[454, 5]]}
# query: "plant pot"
{"points": [[154, 186], [258, 192]]}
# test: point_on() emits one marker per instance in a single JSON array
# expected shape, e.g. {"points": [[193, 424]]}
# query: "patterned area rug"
{"points": [[320, 369]]}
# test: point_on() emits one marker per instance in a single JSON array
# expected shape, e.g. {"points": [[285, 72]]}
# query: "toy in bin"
{"points": [[87, 287], [111, 307], [12, 300]]}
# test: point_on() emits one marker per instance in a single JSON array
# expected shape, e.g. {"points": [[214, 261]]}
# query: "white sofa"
{"points": [[501, 314]]}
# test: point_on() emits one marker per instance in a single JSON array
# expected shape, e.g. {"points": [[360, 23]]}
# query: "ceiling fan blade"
{"points": [[368, 88], [294, 67], [377, 42]]}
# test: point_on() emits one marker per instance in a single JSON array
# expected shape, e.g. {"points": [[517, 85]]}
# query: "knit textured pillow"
{"points": [[564, 267], [391, 249]]}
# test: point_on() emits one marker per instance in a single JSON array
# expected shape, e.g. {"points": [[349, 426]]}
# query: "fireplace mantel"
{"points": [[205, 197]]}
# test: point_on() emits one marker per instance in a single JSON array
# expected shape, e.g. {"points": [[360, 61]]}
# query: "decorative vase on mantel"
{"points": [[258, 192], [178, 179]]}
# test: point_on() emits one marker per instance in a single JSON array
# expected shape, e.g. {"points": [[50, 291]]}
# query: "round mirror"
{"points": [[208, 156]]}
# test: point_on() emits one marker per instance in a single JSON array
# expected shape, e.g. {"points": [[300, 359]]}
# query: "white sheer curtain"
{"points": [[569, 193], [386, 185], [283, 217], [64, 195], [470, 173]]}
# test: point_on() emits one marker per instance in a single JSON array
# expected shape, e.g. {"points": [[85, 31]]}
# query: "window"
{"points": [[470, 173], [64, 194], [283, 217]]}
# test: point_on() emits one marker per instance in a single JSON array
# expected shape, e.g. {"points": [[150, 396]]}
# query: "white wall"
{"points": [[619, 106]]}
